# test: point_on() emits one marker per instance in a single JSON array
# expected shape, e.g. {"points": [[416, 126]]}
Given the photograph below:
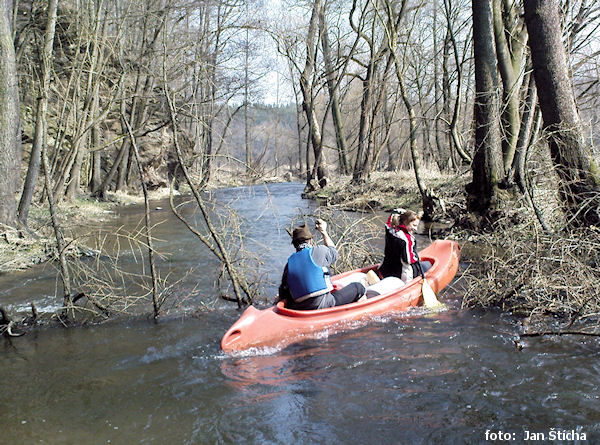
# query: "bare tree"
{"points": [[374, 70], [145, 38], [453, 116], [308, 105], [333, 82], [393, 21], [578, 172]]}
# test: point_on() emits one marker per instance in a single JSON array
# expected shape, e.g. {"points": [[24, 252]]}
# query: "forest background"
{"points": [[489, 109]]}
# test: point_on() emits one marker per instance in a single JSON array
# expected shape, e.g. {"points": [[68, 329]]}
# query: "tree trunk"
{"points": [[40, 132], [392, 154], [308, 103], [68, 310], [95, 177], [517, 170], [579, 175], [247, 142], [360, 173], [208, 117], [10, 141], [510, 63], [332, 86], [298, 115], [487, 165], [436, 90]]}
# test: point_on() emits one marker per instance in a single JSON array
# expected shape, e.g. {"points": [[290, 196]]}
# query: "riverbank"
{"points": [[37, 244], [388, 190], [19, 251]]}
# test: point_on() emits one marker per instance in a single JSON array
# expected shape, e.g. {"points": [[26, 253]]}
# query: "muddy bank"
{"points": [[36, 244]]}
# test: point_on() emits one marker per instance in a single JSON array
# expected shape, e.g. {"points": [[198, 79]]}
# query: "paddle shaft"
{"points": [[419, 264]]}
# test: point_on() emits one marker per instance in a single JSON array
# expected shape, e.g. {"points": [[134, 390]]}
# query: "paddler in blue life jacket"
{"points": [[306, 280]]}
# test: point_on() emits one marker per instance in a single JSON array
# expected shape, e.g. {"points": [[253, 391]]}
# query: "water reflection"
{"points": [[268, 369]]}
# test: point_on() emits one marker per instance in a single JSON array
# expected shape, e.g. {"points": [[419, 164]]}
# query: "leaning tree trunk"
{"points": [[39, 134], [487, 165], [517, 170], [579, 175], [156, 300], [10, 147]]}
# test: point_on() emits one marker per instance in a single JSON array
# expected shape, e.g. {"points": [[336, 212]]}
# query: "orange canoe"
{"points": [[278, 326]]}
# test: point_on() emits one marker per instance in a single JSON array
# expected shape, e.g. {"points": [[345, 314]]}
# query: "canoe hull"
{"points": [[278, 326]]}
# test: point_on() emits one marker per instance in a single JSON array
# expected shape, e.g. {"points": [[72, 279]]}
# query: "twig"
{"points": [[540, 334]]}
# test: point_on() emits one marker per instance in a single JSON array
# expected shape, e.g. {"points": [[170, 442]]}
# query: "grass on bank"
{"points": [[389, 190]]}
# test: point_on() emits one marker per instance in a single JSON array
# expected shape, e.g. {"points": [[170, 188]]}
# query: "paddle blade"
{"points": [[429, 299]]}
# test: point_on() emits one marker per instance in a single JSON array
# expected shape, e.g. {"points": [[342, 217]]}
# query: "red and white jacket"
{"points": [[400, 253]]}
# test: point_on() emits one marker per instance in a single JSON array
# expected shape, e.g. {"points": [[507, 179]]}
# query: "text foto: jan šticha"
{"points": [[534, 436]]}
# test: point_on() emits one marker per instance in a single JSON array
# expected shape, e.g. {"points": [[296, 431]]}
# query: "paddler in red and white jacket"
{"points": [[306, 282], [400, 254]]}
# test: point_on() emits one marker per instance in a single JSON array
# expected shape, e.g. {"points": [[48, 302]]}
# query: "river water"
{"points": [[448, 377]]}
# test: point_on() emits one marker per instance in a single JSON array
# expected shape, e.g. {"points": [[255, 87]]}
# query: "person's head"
{"points": [[301, 235], [406, 218]]}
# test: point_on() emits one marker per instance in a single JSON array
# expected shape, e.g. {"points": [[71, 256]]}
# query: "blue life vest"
{"points": [[305, 278]]}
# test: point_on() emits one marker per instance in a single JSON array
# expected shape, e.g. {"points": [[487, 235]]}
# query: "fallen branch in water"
{"points": [[228, 298], [540, 334], [213, 241], [7, 323]]}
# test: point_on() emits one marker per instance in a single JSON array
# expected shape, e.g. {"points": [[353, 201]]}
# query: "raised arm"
{"points": [[321, 227]]}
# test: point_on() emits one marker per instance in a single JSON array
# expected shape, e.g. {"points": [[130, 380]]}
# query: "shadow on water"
{"points": [[418, 378]]}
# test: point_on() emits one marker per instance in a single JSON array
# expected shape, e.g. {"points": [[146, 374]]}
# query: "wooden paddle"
{"points": [[430, 300]]}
